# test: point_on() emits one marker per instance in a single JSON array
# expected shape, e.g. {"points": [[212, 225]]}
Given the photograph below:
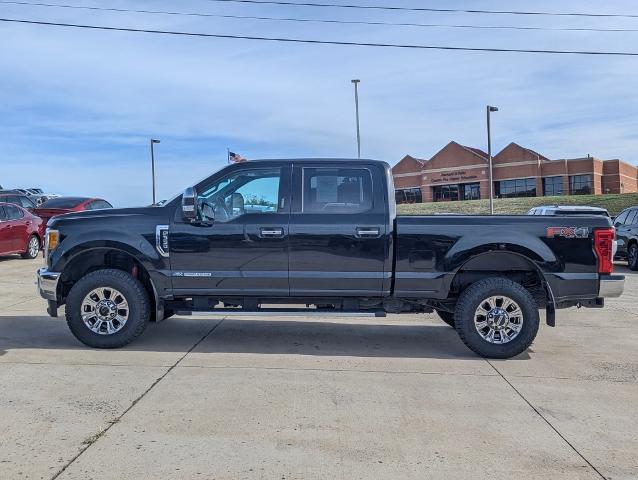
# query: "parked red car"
{"points": [[60, 205], [20, 231]]}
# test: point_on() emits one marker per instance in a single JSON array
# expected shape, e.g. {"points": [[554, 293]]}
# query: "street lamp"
{"points": [[153, 142], [490, 110], [356, 106]]}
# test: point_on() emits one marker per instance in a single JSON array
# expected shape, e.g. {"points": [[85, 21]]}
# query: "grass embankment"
{"points": [[511, 206]]}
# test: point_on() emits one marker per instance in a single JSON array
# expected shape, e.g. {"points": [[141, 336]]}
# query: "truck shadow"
{"points": [[261, 337]]}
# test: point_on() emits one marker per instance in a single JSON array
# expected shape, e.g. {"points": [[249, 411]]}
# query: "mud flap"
{"points": [[550, 306], [52, 308]]}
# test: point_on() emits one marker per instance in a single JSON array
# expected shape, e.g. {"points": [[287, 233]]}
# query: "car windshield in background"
{"points": [[63, 202]]}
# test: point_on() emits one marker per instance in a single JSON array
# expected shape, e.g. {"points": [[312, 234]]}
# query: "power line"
{"points": [[424, 9], [319, 42], [313, 20]]}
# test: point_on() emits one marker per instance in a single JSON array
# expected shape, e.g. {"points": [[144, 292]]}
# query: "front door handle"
{"points": [[271, 232], [367, 232]]}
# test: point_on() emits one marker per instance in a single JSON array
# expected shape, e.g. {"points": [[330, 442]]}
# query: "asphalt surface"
{"points": [[298, 398]]}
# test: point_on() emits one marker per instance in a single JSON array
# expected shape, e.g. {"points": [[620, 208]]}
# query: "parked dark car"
{"points": [[626, 224], [324, 234], [62, 205], [18, 199], [20, 231]]}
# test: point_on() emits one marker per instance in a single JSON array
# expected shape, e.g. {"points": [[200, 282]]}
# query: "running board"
{"points": [[274, 312]]}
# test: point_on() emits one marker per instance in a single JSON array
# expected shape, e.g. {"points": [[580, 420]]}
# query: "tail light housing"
{"points": [[604, 247]]}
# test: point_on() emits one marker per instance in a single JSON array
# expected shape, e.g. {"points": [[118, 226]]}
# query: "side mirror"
{"points": [[189, 204]]}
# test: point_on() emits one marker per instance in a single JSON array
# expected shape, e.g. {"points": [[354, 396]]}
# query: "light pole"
{"points": [[490, 109], [356, 107], [153, 142]]}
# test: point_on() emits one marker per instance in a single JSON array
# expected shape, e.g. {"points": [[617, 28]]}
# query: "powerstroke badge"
{"points": [[568, 232]]}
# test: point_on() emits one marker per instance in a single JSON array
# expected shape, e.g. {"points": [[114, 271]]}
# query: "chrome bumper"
{"points": [[611, 286], [48, 284]]}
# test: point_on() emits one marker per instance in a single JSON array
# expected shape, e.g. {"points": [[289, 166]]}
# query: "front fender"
{"points": [[140, 247]]}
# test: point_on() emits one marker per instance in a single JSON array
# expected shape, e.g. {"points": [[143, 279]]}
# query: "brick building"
{"points": [[458, 172]]}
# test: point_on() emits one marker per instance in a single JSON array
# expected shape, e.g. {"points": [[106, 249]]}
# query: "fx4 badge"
{"points": [[568, 232]]}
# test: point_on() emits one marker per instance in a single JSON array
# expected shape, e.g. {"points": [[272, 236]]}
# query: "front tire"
{"points": [[33, 248], [632, 256], [497, 318], [107, 309]]}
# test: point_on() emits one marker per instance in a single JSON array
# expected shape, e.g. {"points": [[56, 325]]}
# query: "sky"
{"points": [[78, 107]]}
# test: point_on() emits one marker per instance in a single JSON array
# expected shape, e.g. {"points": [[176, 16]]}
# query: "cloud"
{"points": [[79, 106]]}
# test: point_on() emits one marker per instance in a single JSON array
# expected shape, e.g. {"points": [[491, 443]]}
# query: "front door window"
{"points": [[248, 191]]}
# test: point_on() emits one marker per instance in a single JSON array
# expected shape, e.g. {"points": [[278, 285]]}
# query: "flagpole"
{"points": [[227, 155]]}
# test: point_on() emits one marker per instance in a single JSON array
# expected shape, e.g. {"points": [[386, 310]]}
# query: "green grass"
{"points": [[511, 206]]}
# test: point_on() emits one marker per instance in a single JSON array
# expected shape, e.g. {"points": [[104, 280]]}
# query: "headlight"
{"points": [[51, 239]]}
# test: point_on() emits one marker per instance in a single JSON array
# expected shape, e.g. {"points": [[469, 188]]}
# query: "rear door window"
{"points": [[631, 217], [13, 212], [336, 190]]}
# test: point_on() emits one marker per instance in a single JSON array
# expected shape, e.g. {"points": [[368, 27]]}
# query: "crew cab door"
{"points": [[339, 238], [239, 243]]}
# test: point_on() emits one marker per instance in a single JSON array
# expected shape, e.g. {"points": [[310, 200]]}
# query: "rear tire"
{"points": [[33, 248], [632, 256], [447, 317], [107, 309], [497, 318]]}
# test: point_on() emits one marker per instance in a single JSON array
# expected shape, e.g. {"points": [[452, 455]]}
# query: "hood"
{"points": [[105, 214]]}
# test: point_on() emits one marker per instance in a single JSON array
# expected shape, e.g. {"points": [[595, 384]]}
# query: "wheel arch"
{"points": [[99, 257], [502, 263]]}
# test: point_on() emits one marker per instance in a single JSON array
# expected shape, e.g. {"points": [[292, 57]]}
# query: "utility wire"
{"points": [[318, 42], [312, 20], [424, 9]]}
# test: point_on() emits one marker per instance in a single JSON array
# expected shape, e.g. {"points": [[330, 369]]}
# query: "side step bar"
{"points": [[284, 312]]}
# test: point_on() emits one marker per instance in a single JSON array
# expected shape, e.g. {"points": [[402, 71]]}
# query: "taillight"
{"points": [[604, 247]]}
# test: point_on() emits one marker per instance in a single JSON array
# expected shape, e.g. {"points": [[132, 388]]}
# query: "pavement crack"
{"points": [[86, 444], [546, 421]]}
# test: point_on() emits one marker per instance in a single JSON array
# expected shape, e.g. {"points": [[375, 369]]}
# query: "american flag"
{"points": [[235, 157]]}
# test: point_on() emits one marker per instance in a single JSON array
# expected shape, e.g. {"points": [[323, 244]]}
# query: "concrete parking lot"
{"points": [[297, 398]]}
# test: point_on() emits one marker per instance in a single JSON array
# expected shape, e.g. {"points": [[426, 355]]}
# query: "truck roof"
{"points": [[315, 160]]}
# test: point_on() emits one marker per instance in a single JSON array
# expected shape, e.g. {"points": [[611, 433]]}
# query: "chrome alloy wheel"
{"points": [[498, 319], [34, 247], [104, 311]]}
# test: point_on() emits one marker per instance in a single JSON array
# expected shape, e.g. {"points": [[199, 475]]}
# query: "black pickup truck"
{"points": [[320, 237]]}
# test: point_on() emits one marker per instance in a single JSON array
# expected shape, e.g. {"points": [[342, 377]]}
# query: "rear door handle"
{"points": [[367, 232], [271, 232]]}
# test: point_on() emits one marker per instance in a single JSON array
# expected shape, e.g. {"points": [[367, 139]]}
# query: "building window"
{"points": [[408, 195], [521, 187], [446, 193], [552, 186], [471, 191], [581, 185]]}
